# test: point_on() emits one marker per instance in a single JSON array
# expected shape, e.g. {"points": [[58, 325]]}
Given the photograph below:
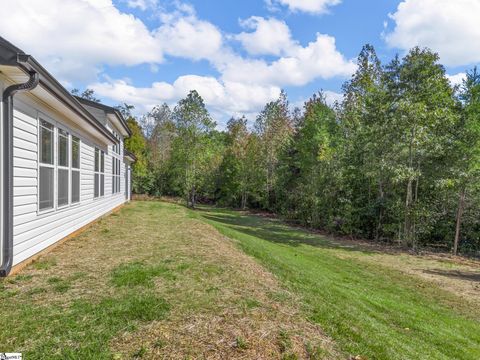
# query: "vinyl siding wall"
{"points": [[35, 230]]}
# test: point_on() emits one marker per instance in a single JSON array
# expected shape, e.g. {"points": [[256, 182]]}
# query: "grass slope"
{"points": [[150, 282], [368, 309]]}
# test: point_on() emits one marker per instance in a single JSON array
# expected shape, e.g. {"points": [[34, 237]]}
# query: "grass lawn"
{"points": [[368, 305], [156, 280], [150, 282]]}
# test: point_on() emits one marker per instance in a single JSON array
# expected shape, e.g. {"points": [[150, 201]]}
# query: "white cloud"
{"points": [[331, 97], [226, 98], [244, 84], [189, 37], [74, 38], [142, 4], [308, 6], [448, 27], [456, 79], [319, 59], [270, 36]]}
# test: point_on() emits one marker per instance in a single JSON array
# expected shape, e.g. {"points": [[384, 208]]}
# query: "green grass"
{"points": [[83, 329], [367, 309], [45, 319], [138, 274], [126, 292], [153, 286]]}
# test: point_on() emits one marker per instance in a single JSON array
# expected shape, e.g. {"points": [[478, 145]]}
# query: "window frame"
{"points": [[73, 169], [56, 126], [41, 164], [100, 172], [66, 168], [116, 174]]}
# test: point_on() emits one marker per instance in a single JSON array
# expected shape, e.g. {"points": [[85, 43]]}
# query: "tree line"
{"points": [[397, 160]]}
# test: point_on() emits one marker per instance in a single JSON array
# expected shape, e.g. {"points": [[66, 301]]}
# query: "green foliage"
{"points": [[87, 94], [396, 161], [193, 147], [136, 144]]}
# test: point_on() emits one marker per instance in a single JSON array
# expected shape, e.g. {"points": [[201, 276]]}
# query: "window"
{"points": [[115, 175], [59, 167], [75, 177], [117, 145], [62, 168], [46, 168], [118, 175], [99, 177]]}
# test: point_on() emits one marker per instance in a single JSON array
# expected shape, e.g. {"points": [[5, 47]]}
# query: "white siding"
{"points": [[34, 231]]}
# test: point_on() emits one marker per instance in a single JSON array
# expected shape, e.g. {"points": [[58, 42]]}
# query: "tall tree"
{"points": [[366, 149], [468, 163], [192, 145], [136, 144], [421, 124], [160, 131], [273, 127], [234, 168]]}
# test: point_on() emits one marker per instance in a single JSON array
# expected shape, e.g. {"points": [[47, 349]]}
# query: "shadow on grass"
{"points": [[463, 275], [273, 230]]}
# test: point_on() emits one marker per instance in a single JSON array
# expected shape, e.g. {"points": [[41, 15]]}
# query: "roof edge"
{"points": [[12, 56], [107, 109]]}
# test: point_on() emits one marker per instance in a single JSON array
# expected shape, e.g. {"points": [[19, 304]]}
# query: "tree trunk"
{"points": [[192, 197], [380, 212], [244, 200], [408, 226], [461, 204], [409, 196]]}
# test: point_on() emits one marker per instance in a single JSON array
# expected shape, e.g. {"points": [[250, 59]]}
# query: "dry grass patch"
{"points": [[457, 275], [152, 282], [223, 306]]}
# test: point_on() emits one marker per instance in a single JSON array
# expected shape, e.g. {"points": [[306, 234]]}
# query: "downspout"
{"points": [[7, 170]]}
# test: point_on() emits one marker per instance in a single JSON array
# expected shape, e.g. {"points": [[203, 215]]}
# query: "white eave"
{"points": [[114, 119], [49, 96]]}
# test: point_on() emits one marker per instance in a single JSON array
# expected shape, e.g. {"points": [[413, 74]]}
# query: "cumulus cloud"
{"points": [[319, 59], [189, 37], [77, 39], [74, 39], [270, 36], [448, 27], [308, 6], [226, 98]]}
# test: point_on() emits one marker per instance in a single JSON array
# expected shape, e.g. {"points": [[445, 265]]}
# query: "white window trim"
{"points": [[61, 167], [79, 169], [41, 118], [117, 177], [99, 172], [56, 125]]}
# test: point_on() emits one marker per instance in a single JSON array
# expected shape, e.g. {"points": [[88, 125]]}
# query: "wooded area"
{"points": [[396, 161]]}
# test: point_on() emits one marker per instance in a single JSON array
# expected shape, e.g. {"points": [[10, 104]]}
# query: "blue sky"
{"points": [[237, 54]]}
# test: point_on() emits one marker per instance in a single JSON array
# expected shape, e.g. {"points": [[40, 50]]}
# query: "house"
{"points": [[62, 159]]}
